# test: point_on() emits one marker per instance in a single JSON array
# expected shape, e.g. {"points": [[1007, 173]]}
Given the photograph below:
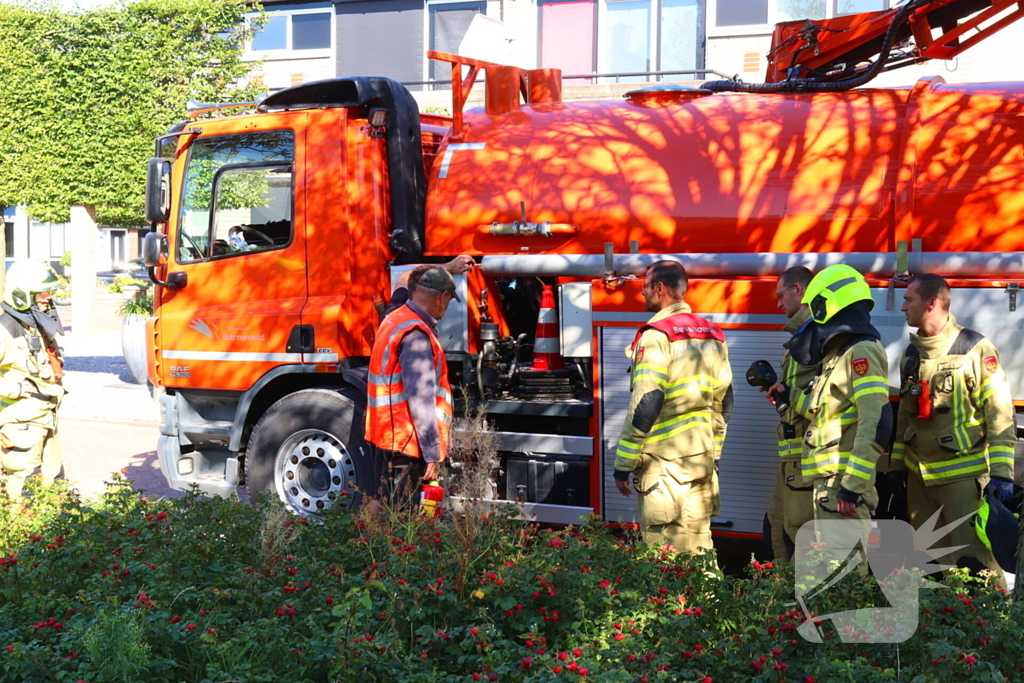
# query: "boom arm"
{"points": [[838, 49]]}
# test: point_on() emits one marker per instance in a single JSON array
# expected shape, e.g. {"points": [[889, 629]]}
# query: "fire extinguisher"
{"points": [[921, 391], [431, 496]]}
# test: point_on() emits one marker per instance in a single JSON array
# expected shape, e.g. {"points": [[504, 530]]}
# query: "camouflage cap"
{"points": [[439, 280]]}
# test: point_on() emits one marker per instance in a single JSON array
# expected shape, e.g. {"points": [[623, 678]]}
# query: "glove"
{"points": [[1000, 488], [848, 496]]}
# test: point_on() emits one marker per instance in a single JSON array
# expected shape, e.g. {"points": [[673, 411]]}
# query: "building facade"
{"points": [[307, 41]]}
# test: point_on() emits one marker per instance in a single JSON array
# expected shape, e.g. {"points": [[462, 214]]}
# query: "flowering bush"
{"points": [[200, 589]]}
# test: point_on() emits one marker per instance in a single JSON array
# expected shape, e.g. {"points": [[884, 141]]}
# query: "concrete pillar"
{"points": [[84, 240]]}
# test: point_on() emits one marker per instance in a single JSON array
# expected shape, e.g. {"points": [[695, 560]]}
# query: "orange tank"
{"points": [[689, 171]]}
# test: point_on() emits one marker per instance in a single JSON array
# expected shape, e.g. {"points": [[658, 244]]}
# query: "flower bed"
{"points": [[212, 590]]}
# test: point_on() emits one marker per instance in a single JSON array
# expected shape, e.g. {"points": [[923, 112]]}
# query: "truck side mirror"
{"points": [[158, 190], [154, 249]]}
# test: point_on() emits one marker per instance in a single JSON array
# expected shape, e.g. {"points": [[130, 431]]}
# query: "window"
{"points": [[448, 25], [627, 37], [682, 27], [237, 196], [9, 239], [741, 12], [567, 36], [306, 29], [731, 14], [858, 6], [622, 36]]}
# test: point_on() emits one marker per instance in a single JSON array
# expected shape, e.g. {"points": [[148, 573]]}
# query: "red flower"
{"points": [[175, 619], [525, 663], [620, 636], [970, 660], [190, 627]]}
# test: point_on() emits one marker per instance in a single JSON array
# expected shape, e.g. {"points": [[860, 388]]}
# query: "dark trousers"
{"points": [[399, 479]]}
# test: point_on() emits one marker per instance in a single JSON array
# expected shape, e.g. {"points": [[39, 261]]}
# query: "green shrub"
{"points": [[122, 282], [198, 589]]}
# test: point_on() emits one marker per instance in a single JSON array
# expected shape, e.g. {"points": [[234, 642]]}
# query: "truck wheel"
{"points": [[308, 448]]}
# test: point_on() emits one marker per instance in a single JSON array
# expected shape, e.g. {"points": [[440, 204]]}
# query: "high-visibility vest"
{"points": [[389, 423]]}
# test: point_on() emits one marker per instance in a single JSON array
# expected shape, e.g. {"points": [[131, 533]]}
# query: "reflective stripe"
{"points": [[546, 345], [789, 448], [628, 450], [386, 400], [237, 356], [656, 373], [899, 452], [988, 389], [860, 467], [839, 284], [826, 463], [960, 414], [663, 430], [1001, 455], [698, 386], [955, 467]]}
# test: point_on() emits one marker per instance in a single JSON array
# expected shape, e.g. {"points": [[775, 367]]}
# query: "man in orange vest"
{"points": [[409, 404]]}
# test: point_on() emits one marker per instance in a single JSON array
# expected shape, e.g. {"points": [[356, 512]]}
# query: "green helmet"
{"points": [[25, 278], [833, 289]]}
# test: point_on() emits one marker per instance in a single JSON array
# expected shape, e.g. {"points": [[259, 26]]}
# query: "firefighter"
{"points": [[846, 404], [409, 407], [956, 421], [672, 438], [30, 371], [791, 505]]}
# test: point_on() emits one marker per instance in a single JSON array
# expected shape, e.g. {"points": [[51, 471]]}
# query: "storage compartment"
{"points": [[555, 480]]}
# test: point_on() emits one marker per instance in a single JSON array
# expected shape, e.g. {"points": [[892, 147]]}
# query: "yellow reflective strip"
{"points": [[697, 415], [629, 446], [1000, 449], [653, 369], [625, 455], [1001, 460], [870, 390], [678, 430], [967, 469]]}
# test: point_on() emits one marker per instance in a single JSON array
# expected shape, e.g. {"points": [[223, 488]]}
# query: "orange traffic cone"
{"points": [[546, 353]]}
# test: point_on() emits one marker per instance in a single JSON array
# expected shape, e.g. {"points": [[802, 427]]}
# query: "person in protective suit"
{"points": [[846, 404], [791, 506], [956, 421], [674, 430], [30, 374]]}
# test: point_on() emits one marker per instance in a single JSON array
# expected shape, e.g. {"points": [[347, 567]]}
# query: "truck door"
{"points": [[239, 201]]}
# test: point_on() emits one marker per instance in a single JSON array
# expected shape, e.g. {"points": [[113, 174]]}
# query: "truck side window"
{"points": [[237, 195]]}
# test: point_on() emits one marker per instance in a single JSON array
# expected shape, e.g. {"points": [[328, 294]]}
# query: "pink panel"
{"points": [[567, 41]]}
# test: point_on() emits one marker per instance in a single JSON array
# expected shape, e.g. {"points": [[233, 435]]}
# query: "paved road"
{"points": [[107, 423]]}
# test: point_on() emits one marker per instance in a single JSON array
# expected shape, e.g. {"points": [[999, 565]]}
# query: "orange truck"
{"points": [[278, 234]]}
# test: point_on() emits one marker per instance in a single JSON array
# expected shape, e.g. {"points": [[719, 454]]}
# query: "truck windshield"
{"points": [[238, 195]]}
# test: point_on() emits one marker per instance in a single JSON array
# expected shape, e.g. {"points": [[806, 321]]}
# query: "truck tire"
{"points": [[308, 451]]}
